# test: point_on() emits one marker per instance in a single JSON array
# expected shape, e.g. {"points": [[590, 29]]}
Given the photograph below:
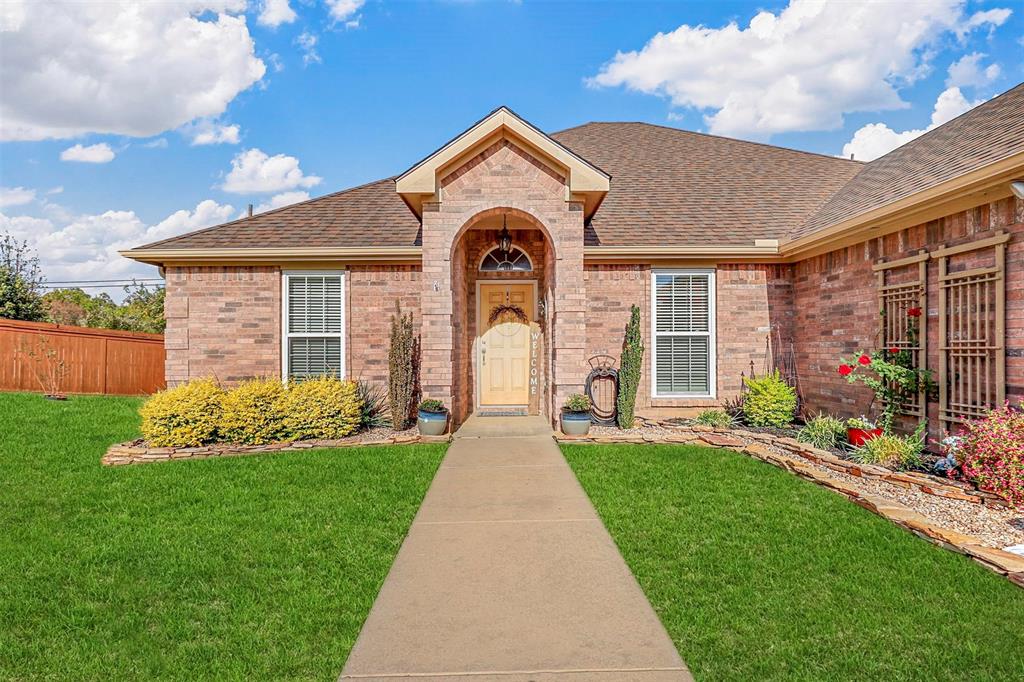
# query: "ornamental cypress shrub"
{"points": [[401, 368], [629, 369]]}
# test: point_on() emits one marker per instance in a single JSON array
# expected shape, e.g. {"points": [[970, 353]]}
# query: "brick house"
{"points": [[520, 253]]}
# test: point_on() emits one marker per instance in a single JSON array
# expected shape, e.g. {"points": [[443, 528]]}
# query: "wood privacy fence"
{"points": [[101, 361]]}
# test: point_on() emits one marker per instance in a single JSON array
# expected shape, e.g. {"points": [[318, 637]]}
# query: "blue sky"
{"points": [[344, 92]]}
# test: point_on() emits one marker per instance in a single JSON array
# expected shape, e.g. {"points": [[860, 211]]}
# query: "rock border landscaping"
{"points": [[769, 448], [135, 453]]}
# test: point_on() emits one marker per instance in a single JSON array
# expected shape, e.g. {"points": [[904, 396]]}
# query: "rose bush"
{"points": [[990, 452]]}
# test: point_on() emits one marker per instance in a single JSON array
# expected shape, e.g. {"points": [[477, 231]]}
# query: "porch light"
{"points": [[1017, 187], [504, 238]]}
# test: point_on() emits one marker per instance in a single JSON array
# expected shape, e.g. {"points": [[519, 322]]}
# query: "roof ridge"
{"points": [[717, 137], [265, 213]]}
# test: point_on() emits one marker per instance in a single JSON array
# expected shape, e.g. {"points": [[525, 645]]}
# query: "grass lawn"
{"points": [[757, 574], [259, 567]]}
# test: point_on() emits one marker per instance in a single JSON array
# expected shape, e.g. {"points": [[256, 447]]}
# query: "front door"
{"points": [[504, 347]]}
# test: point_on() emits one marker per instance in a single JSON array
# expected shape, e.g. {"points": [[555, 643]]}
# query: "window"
{"points": [[683, 334], [515, 260], [313, 312]]}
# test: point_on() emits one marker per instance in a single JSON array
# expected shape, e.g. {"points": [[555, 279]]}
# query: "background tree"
{"points": [[141, 311], [629, 370], [401, 368], [20, 281]]}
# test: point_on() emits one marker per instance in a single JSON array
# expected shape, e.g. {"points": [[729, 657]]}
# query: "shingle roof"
{"points": [[671, 187], [989, 132], [368, 215]]}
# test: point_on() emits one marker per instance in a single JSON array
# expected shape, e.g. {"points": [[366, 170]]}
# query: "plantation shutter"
{"points": [[683, 333], [314, 325]]}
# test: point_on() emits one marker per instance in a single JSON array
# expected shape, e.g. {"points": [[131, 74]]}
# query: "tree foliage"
{"points": [[629, 369], [20, 282], [141, 311]]}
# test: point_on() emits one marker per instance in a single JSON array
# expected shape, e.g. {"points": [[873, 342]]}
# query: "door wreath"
{"points": [[517, 314]]}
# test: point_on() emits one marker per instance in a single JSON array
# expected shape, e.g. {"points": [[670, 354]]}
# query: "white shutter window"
{"points": [[683, 333], [313, 312]]}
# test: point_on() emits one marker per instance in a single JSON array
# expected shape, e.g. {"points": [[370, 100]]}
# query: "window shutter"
{"points": [[313, 325], [314, 357], [314, 304], [683, 308]]}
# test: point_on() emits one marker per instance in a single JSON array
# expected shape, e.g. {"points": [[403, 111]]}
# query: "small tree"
{"points": [[629, 369], [20, 282], [401, 368], [47, 364]]}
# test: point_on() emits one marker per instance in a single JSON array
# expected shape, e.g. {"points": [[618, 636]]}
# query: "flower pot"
{"points": [[858, 437], [575, 423], [431, 423]]}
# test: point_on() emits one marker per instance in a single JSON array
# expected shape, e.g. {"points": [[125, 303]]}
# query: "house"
{"points": [[519, 253]]}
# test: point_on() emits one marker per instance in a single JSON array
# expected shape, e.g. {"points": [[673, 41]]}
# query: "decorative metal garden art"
{"points": [[602, 388]]}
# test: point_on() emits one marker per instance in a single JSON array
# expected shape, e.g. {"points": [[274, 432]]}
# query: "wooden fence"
{"points": [[100, 361]]}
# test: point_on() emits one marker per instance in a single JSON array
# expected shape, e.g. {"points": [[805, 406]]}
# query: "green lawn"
{"points": [[260, 567], [757, 574]]}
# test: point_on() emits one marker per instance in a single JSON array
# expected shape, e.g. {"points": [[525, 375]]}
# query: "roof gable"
{"points": [[583, 178]]}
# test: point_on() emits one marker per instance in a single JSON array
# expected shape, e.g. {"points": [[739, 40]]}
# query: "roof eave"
{"points": [[162, 257]]}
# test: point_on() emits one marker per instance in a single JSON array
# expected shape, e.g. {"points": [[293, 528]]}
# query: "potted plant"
{"points": [[432, 417], [860, 430], [576, 415]]}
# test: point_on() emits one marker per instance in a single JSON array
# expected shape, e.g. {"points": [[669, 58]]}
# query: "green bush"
{"points": [[720, 419], [375, 411], [323, 408], [769, 401], [892, 451], [629, 370], [823, 432], [187, 415], [433, 406], [253, 412], [577, 402]]}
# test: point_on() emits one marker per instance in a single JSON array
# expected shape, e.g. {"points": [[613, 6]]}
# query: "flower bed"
{"points": [[138, 452], [895, 495]]}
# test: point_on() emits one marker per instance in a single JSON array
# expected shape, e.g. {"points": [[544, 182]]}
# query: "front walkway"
{"points": [[508, 574]]}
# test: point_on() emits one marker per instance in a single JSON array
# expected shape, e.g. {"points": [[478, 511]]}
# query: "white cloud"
{"points": [[344, 11], [206, 132], [94, 153], [277, 201], [307, 43], [273, 13], [55, 190], [877, 139], [16, 196], [84, 247], [800, 69], [158, 143], [124, 68], [253, 171], [968, 72]]}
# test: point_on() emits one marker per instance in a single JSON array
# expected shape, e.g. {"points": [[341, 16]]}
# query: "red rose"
{"points": [[864, 360], [845, 370], [914, 312], [894, 349]]}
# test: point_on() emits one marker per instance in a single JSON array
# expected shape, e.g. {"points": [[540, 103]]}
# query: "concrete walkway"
{"points": [[508, 574]]}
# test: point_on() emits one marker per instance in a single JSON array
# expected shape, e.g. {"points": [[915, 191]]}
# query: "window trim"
{"points": [[480, 264], [711, 334], [286, 336]]}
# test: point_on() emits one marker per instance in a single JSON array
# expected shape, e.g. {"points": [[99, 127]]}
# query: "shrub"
{"points": [[823, 432], [401, 368], [990, 451], [577, 402], [433, 406], [323, 408], [892, 451], [184, 416], [253, 412], [375, 410], [629, 370], [770, 401], [718, 418], [862, 423]]}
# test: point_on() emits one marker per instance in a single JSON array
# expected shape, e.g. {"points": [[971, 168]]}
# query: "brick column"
{"points": [[568, 347], [436, 342]]}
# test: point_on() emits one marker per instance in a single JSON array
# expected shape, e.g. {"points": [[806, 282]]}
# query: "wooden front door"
{"points": [[504, 345]]}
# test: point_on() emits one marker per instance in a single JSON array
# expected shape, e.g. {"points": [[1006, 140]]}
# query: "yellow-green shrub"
{"points": [[769, 401], [323, 408], [253, 412], [184, 416]]}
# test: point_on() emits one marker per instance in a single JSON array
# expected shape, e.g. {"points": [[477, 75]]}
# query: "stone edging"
{"points": [[131, 453], [756, 445]]}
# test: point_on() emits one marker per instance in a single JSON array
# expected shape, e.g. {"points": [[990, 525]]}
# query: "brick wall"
{"points": [[750, 300], [836, 307], [222, 322], [372, 292]]}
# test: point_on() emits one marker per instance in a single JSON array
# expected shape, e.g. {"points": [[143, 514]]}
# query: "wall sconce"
{"points": [[504, 238]]}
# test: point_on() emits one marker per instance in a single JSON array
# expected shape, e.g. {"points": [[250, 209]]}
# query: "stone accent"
{"points": [[772, 450], [135, 453]]}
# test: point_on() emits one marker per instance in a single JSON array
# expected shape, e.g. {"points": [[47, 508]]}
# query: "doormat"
{"points": [[503, 413]]}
